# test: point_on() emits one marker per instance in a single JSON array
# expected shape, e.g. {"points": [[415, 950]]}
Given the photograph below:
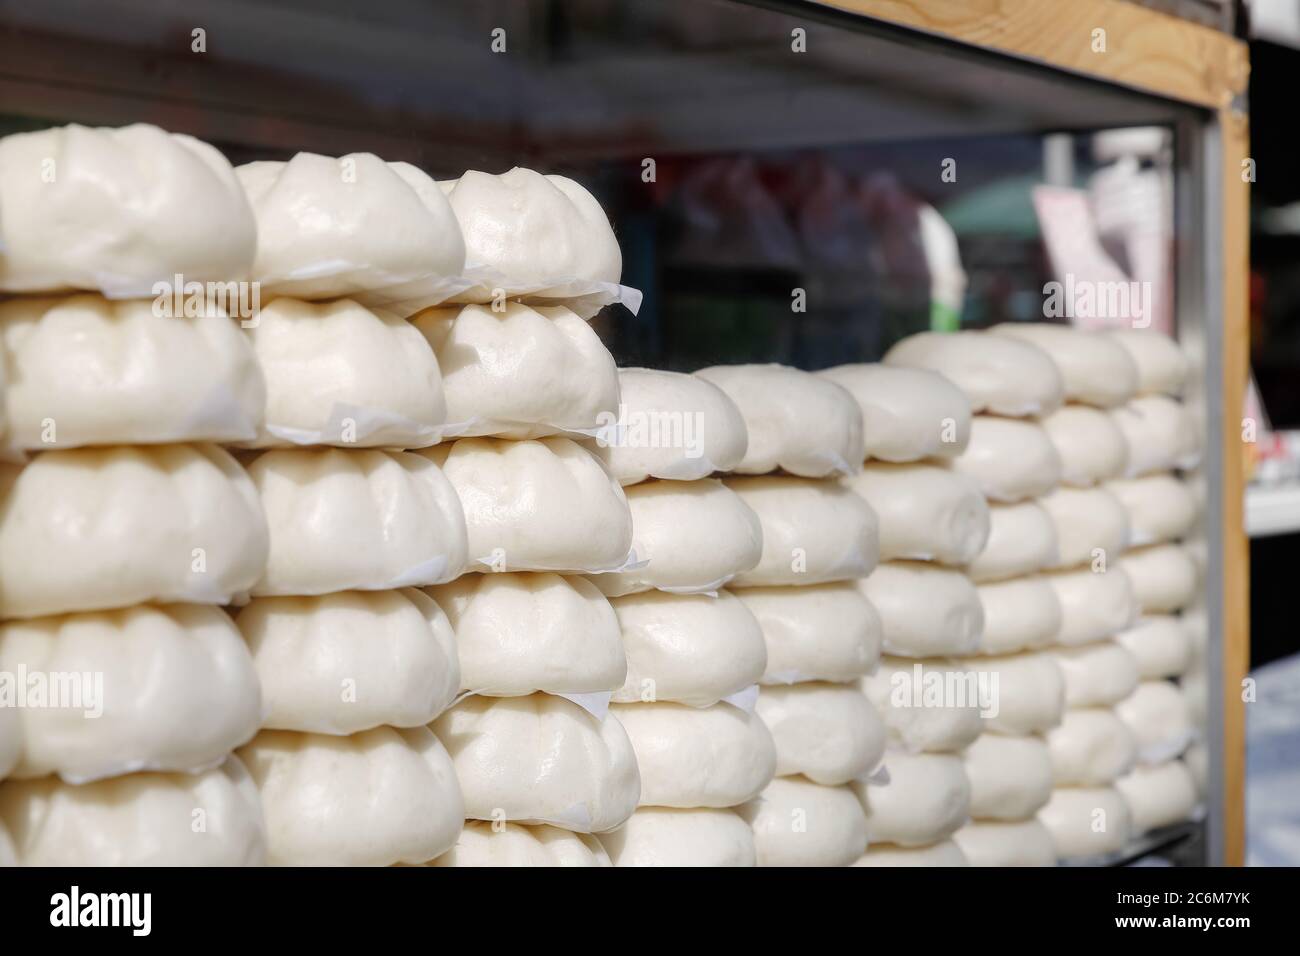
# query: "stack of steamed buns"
{"points": [[398, 567]]}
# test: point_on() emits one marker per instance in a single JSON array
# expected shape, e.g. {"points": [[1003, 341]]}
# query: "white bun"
{"points": [[532, 232], [1161, 364], [1086, 823], [671, 425], [366, 520], [1089, 443], [541, 759], [813, 531], [689, 648], [84, 370], [94, 528], [927, 513], [925, 610], [907, 414], [829, 733], [1096, 675], [338, 373], [1160, 507], [717, 756], [379, 797], [174, 689], [142, 819], [1160, 644], [1164, 577], [331, 227], [666, 836], [352, 660], [1029, 694], [921, 716], [999, 374], [541, 505], [926, 799], [800, 823], [1010, 777], [1090, 748], [1019, 614], [1160, 718], [998, 843], [118, 210], [512, 844], [1022, 540], [943, 853], [1158, 796], [796, 421], [1094, 604], [693, 535], [521, 633], [522, 372], [1011, 460], [820, 632], [1160, 434], [1095, 369], [1090, 523]]}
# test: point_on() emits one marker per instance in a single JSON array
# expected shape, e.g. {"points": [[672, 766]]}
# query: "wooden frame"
{"points": [[1155, 53]]}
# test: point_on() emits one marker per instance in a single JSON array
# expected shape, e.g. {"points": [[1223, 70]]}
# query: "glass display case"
{"points": [[769, 169]]}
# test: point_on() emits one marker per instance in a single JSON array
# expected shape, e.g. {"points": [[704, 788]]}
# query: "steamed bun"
{"points": [[1089, 443], [926, 799], [541, 759], [1160, 718], [1096, 675], [943, 853], [338, 373], [1095, 369], [1090, 748], [352, 660], [796, 421], [1164, 577], [512, 844], [541, 505], [118, 210], [1160, 434], [1160, 644], [174, 689], [1094, 604], [919, 713], [824, 632], [669, 836], [84, 370], [1161, 364], [1022, 540], [689, 648], [532, 232], [331, 227], [1019, 614], [907, 413], [1027, 691], [1090, 522], [671, 425], [517, 634], [142, 819], [925, 610], [998, 374], [1158, 796], [1011, 460], [926, 513], [379, 797], [1160, 507], [692, 535], [93, 528], [1010, 777], [829, 733], [813, 532], [365, 520], [1086, 822], [1002, 843], [800, 823], [717, 756], [522, 372]]}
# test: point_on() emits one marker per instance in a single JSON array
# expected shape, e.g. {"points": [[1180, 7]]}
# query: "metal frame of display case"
{"points": [[1155, 53]]}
